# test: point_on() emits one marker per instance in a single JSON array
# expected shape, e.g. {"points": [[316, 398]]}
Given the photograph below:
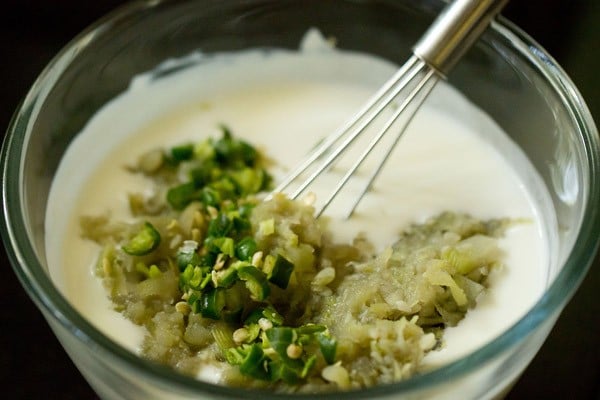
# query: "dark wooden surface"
{"points": [[34, 366]]}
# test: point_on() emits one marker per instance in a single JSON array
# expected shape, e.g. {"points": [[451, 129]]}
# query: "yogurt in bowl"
{"points": [[453, 157]]}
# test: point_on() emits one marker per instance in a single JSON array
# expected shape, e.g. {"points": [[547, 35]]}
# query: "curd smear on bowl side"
{"points": [[452, 157]]}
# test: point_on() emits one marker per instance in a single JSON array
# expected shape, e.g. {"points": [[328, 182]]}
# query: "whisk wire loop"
{"points": [[401, 76], [453, 32], [423, 88], [415, 70]]}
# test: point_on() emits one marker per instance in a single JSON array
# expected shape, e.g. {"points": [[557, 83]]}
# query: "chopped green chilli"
{"points": [[281, 271], [144, 241], [258, 289], [181, 195], [328, 346], [224, 169], [245, 249], [182, 153], [211, 303], [256, 282]]}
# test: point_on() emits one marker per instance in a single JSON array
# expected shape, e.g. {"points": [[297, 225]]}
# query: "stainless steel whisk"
{"points": [[439, 49]]}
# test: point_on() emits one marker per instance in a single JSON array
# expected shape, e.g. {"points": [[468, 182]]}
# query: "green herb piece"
{"points": [[225, 277], [255, 281], [194, 277], [254, 316], [310, 329], [236, 299], [204, 151], [209, 259], [280, 339], [225, 245], [266, 180], [226, 187], [279, 271], [233, 152], [241, 224], [308, 365], [282, 372], [264, 312], [253, 362], [219, 245], [245, 249], [210, 197], [182, 153], [211, 303], [248, 334], [187, 255], [328, 346], [201, 175], [144, 242], [253, 332], [182, 195], [220, 226], [272, 315], [245, 210], [248, 180]]}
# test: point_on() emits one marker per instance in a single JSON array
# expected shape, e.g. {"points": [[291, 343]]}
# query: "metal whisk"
{"points": [[444, 43]]}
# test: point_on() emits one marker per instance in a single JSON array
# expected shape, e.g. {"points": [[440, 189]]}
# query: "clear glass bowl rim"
{"points": [[49, 300]]}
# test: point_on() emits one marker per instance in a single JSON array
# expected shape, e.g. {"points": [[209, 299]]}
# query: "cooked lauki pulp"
{"points": [[167, 246]]}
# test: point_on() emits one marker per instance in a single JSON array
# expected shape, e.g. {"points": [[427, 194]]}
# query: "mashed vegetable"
{"points": [[259, 290]]}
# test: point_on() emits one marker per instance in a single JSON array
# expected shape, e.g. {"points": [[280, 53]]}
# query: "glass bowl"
{"points": [[506, 74]]}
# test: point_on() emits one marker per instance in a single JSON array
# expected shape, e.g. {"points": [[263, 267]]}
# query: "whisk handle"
{"points": [[454, 31]]}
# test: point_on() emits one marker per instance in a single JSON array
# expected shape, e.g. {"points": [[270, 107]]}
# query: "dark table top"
{"points": [[34, 366]]}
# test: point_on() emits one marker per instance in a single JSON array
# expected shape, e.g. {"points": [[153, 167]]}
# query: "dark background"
{"points": [[34, 366]]}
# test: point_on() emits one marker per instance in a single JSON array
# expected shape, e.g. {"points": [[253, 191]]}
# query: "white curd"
{"points": [[453, 157]]}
